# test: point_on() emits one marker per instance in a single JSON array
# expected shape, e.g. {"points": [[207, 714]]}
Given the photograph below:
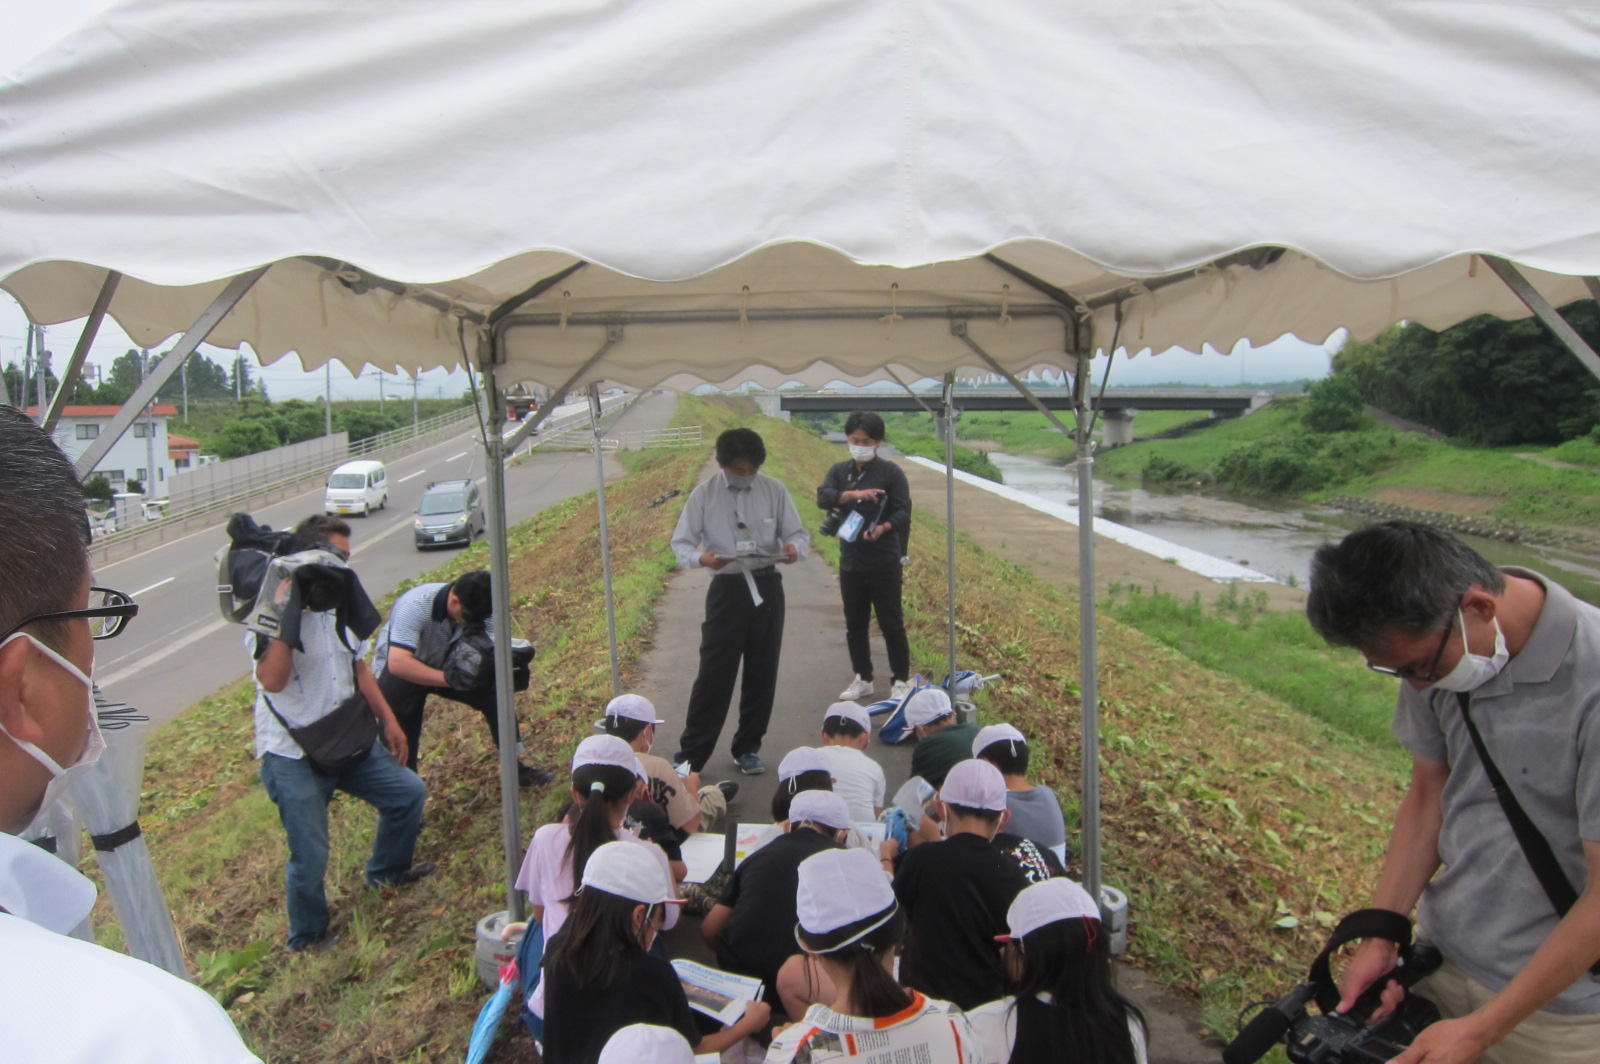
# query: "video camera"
{"points": [[1332, 1037]]}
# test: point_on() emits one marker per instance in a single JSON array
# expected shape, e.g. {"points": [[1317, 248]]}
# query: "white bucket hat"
{"points": [[803, 759], [630, 707], [842, 887], [1045, 903], [603, 750], [648, 1043], [927, 705], [630, 871], [975, 784], [997, 733], [852, 711], [820, 807]]}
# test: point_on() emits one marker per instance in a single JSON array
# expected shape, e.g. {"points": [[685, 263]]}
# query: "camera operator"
{"points": [[870, 566], [306, 671], [424, 625], [1514, 654]]}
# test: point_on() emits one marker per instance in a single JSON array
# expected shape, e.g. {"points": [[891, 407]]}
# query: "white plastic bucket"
{"points": [[1114, 912], [492, 952]]}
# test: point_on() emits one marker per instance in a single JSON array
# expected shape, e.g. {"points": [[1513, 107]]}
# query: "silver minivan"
{"points": [[357, 488]]}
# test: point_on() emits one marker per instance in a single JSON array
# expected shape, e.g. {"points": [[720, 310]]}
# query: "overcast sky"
{"points": [[30, 26]]}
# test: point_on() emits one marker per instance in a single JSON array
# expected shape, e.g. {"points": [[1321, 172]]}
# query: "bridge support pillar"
{"points": [[771, 404], [1117, 427]]}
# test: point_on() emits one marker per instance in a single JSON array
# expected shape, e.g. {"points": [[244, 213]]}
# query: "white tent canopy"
{"points": [[713, 190]]}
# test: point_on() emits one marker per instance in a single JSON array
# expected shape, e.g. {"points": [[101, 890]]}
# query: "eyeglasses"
{"points": [[1433, 666], [108, 613]]}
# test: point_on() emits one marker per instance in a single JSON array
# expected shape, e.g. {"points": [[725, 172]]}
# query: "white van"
{"points": [[357, 488]]}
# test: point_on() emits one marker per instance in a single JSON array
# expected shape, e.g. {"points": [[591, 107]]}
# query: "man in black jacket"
{"points": [[870, 492]]}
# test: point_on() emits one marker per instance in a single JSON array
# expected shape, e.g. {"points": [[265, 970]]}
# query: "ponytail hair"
{"points": [[1070, 960], [815, 780], [873, 992], [601, 788]]}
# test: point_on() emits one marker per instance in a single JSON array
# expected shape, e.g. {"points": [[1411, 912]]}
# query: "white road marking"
{"points": [[152, 587], [453, 457], [163, 654], [413, 476]]}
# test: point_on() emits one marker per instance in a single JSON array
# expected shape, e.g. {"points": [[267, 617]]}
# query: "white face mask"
{"points": [[863, 454], [1475, 670], [94, 742], [737, 481]]}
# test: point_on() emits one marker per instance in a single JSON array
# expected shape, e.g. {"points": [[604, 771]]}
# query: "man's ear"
{"points": [[1479, 602], [19, 723]]}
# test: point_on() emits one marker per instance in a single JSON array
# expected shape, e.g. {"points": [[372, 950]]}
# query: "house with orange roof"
{"points": [[144, 453]]}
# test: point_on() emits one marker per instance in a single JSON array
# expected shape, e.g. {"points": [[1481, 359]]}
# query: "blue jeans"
{"points": [[302, 796]]}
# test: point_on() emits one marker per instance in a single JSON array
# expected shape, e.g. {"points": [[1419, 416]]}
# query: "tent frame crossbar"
{"points": [[68, 381], [162, 372], [773, 314], [1535, 301]]}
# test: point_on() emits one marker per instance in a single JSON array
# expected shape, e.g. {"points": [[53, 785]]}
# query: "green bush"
{"points": [[1332, 404], [97, 487], [246, 436], [1159, 470]]}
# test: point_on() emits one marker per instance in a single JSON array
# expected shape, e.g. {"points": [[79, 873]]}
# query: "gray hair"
{"points": [[46, 553], [1392, 577]]}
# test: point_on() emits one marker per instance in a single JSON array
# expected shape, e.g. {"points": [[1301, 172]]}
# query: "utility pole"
{"points": [[183, 372], [238, 364], [150, 430], [27, 374], [416, 379], [327, 398]]}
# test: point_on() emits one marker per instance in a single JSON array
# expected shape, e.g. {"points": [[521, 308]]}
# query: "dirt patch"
{"points": [[1441, 501]]}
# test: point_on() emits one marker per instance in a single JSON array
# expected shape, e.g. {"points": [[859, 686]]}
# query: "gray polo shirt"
{"points": [[1539, 720]]}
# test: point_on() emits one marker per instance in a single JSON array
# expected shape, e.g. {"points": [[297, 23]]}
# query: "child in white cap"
{"points": [[644, 1043], [605, 778], [632, 718], [941, 742], [846, 733], [851, 923], [751, 927], [956, 892], [599, 975], [1035, 813], [1066, 1005]]}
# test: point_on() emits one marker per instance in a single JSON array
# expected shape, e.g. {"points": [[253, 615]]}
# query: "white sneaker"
{"points": [[858, 688], [900, 689]]}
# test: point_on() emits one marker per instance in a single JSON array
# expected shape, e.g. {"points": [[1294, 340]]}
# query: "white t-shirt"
{"points": [[546, 874], [927, 1031], [63, 1001], [994, 1025], [321, 677], [857, 779]]}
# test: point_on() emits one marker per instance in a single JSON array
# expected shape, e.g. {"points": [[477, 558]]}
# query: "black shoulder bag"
{"points": [[340, 740], [1535, 847]]}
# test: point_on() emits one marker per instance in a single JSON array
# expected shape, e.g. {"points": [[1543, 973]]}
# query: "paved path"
{"points": [[815, 668]]}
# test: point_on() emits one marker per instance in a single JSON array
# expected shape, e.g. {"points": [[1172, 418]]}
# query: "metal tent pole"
{"points": [[1088, 648], [1536, 302], [164, 369], [91, 328], [950, 518], [500, 588], [605, 536]]}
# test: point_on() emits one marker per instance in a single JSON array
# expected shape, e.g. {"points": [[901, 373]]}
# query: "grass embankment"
{"points": [[399, 985], [1238, 825]]}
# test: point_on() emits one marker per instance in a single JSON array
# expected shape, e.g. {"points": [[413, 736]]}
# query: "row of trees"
{"points": [[206, 379], [1485, 381]]}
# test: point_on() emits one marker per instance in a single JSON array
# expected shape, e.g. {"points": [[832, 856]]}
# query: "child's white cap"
{"points": [[803, 759], [1045, 903], [630, 871], [649, 1043], [996, 733], [630, 707], [603, 750], [840, 887], [975, 784], [926, 706], [852, 711], [820, 807]]}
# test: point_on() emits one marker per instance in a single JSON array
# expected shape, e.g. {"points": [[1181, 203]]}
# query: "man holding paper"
{"points": [[741, 524]]}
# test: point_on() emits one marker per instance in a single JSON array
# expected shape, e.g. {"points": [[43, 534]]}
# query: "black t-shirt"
{"points": [[1038, 863], [578, 1021], [759, 935], [650, 823], [955, 894]]}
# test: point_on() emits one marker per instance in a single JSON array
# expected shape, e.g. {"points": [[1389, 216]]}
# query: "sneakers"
{"points": [[900, 689], [729, 789], [751, 765], [409, 876], [858, 688], [528, 776]]}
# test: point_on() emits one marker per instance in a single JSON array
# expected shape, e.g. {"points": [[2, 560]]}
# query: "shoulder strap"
{"points": [[1557, 887]]}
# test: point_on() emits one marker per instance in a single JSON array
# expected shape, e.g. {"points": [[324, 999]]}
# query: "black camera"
{"points": [[831, 522], [1344, 1038]]}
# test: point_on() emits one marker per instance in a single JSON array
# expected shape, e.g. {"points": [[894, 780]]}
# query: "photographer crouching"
{"points": [[322, 725], [440, 641], [1498, 834]]}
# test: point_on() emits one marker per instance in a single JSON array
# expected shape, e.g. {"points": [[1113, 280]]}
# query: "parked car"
{"points": [[451, 511], [357, 488]]}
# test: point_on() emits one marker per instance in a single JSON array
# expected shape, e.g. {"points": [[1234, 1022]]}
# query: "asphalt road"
{"points": [[178, 649]]}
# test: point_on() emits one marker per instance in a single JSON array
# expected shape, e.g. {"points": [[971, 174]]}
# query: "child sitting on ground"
{"points": [[1035, 813], [751, 927], [632, 718], [956, 892], [599, 975], [1066, 1006], [846, 733], [941, 742], [849, 920]]}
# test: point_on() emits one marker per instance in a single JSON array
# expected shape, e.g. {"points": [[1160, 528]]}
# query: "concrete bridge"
{"points": [[1116, 408]]}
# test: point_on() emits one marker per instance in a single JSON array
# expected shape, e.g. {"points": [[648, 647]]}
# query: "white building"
{"points": [[142, 454]]}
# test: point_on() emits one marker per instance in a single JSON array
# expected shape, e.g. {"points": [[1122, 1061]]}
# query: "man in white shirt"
{"points": [[741, 524], [62, 1000]]}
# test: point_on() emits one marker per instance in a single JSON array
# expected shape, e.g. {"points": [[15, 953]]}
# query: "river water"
{"points": [[1278, 542]]}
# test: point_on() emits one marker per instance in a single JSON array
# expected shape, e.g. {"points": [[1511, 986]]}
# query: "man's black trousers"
{"points": [[406, 699], [869, 591], [735, 630]]}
